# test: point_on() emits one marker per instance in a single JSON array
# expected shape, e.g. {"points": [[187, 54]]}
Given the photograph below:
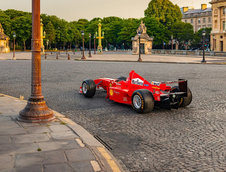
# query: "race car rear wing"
{"points": [[182, 84]]}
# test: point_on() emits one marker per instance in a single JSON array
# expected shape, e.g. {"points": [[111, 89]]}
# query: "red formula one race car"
{"points": [[141, 94]]}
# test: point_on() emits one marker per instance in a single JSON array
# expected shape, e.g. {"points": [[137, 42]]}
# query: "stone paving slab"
{"points": [[53, 146]]}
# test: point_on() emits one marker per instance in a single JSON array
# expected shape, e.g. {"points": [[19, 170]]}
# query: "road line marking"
{"points": [[95, 165], [80, 143], [110, 161]]}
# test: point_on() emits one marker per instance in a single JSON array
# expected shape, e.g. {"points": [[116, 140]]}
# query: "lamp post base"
{"points": [[203, 61], [83, 58], [36, 112], [139, 60]]}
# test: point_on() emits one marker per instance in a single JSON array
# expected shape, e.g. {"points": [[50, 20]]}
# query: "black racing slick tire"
{"points": [[187, 100], [142, 101], [88, 88]]}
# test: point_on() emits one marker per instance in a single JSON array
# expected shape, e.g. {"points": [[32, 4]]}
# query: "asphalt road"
{"points": [[192, 138]]}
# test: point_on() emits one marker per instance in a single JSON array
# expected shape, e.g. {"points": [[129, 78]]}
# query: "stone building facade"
{"points": [[145, 41], [218, 34], [198, 18], [4, 41]]}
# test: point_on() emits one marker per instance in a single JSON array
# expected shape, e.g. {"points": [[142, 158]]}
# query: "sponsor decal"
{"points": [[155, 83], [110, 85], [116, 92], [125, 99], [111, 92], [137, 81], [146, 85]]}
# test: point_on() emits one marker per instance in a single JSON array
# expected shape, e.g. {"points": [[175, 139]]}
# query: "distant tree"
{"points": [[158, 30], [183, 32], [22, 26], [129, 27], [164, 11], [6, 23], [50, 32], [15, 13], [197, 41]]}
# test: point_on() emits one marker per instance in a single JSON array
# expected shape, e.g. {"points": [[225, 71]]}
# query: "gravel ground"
{"points": [[192, 138]]}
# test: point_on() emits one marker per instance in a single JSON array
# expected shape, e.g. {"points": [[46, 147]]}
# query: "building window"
{"points": [[209, 19], [204, 20], [215, 24], [199, 21], [224, 26], [191, 20], [224, 10]]}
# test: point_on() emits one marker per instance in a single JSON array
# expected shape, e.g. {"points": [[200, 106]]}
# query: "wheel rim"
{"points": [[84, 88], [137, 102]]}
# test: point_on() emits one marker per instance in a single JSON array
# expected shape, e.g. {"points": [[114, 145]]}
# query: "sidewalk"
{"points": [[58, 146], [119, 57], [115, 57]]}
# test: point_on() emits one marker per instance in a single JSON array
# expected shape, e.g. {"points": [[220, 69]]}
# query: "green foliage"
{"points": [[164, 11], [197, 41], [6, 23], [182, 32], [22, 26], [50, 32], [157, 29], [162, 19]]}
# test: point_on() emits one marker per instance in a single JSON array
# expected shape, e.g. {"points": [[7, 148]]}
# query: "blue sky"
{"points": [[75, 9]]}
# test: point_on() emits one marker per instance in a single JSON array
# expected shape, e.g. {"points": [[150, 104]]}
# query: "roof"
{"points": [[143, 36], [195, 11]]}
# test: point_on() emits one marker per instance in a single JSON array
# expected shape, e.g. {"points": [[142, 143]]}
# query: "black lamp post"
{"points": [[14, 45], [94, 37], [139, 59], [203, 46], [90, 45], [83, 46], [172, 42]]}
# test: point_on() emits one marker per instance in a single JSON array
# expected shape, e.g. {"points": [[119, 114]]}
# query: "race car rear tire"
{"points": [[185, 101], [88, 88], [142, 101]]}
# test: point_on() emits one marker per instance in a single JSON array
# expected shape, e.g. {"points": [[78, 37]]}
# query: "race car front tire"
{"points": [[88, 88], [142, 101]]}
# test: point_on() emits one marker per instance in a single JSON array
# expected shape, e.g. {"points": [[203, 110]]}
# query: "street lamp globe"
{"points": [[203, 33], [14, 35], [83, 33], [89, 35]]}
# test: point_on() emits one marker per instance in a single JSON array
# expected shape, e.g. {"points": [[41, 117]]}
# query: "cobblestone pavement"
{"points": [[187, 139]]}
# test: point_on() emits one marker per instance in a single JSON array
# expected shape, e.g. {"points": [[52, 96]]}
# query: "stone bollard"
{"points": [[68, 57], [57, 55], [45, 56]]}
